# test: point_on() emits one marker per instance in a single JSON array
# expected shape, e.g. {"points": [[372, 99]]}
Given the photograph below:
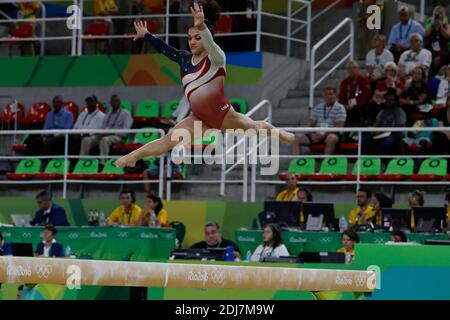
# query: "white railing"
{"points": [[65, 181], [313, 65]]}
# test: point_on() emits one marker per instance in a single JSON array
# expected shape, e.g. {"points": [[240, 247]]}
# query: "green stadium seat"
{"points": [[84, 169], [170, 107], [242, 104], [25, 170], [140, 139], [301, 167], [147, 111], [431, 169], [211, 138], [109, 171], [332, 169], [398, 169], [54, 170], [369, 170]]}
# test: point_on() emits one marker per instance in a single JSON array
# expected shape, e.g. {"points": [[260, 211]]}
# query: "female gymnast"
{"points": [[203, 74]]}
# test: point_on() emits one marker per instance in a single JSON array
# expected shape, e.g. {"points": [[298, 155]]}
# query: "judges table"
{"points": [[297, 241], [105, 243]]}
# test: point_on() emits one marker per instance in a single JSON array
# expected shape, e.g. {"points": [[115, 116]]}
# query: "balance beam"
{"points": [[180, 275]]}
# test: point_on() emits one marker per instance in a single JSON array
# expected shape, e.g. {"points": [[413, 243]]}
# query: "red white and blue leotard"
{"points": [[204, 82]]}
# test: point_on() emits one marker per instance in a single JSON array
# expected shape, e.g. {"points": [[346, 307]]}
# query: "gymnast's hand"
{"points": [[198, 15], [141, 29], [125, 161]]}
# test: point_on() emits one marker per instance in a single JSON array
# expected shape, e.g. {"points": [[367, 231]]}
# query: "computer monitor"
{"points": [[22, 249], [322, 257], [430, 219], [398, 219], [283, 213], [313, 209], [21, 220], [437, 242], [217, 254]]}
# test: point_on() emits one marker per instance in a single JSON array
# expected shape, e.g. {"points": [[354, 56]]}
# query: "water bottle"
{"points": [[248, 256], [342, 224], [153, 219], [229, 254], [102, 219], [68, 251]]}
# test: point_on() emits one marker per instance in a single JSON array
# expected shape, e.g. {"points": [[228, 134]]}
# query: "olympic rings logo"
{"points": [[360, 279], [74, 235], [325, 240], [218, 277], [123, 234], [43, 271], [27, 235]]}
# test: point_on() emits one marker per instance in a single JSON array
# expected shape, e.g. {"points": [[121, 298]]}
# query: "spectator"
{"points": [[441, 140], [415, 199], [49, 212], [400, 32], [19, 292], [436, 37], [304, 195], [272, 244], [414, 57], [292, 189], [214, 239], [49, 247], [398, 236], [29, 11], [128, 213], [5, 247], [354, 93], [364, 212], [390, 117], [58, 119], [377, 58], [349, 238], [105, 8], [153, 214], [421, 141], [137, 9], [117, 118], [325, 115], [91, 119], [379, 201], [443, 91], [415, 95]]}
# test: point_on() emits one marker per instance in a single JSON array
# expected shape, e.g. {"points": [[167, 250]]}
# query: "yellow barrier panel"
{"points": [[180, 275]]}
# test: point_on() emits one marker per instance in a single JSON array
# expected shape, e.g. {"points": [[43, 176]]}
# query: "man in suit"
{"points": [[49, 247], [49, 212]]}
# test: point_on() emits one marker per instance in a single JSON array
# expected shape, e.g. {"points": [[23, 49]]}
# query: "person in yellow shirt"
{"points": [[153, 205], [361, 214], [128, 213], [349, 238], [292, 190], [105, 7]]}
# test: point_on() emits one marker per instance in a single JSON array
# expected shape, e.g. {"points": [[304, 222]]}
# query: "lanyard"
{"points": [[407, 31], [115, 119], [356, 91], [264, 253], [325, 114], [90, 120]]}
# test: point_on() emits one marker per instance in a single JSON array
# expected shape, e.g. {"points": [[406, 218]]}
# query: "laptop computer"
{"points": [[22, 249], [322, 257], [21, 220]]}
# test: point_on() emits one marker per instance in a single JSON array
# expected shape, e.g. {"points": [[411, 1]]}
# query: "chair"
{"points": [[109, 172], [36, 114], [96, 28], [398, 169], [84, 169], [54, 170], [180, 231], [12, 112], [224, 25], [20, 147], [432, 169], [205, 141], [332, 169], [369, 170], [140, 139], [147, 111], [25, 170], [72, 107], [243, 105], [303, 168], [21, 30], [170, 107]]}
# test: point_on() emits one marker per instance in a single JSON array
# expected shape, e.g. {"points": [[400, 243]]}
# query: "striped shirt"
{"points": [[327, 116]]}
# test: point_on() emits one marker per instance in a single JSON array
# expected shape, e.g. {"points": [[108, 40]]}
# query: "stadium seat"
{"points": [[20, 147], [170, 107], [109, 172], [369, 170], [152, 25], [126, 104], [180, 231], [317, 147], [349, 147], [397, 170], [96, 28], [84, 169], [20, 30], [25, 170], [207, 140], [36, 114], [140, 139], [151, 163], [301, 167], [72, 107], [54, 170], [243, 105], [147, 111], [10, 114], [332, 169], [432, 169], [223, 25]]}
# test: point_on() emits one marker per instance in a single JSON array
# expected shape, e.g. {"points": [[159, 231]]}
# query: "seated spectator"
{"points": [[128, 213], [415, 95], [214, 239], [117, 118], [153, 172], [377, 58], [105, 8], [399, 36], [153, 214], [388, 80], [29, 11], [58, 119], [137, 9], [390, 117], [354, 93], [49, 247], [304, 195], [398, 236], [272, 246], [330, 114], [5, 247], [415, 199], [91, 119], [364, 212], [443, 91], [415, 57], [436, 38], [49, 212], [420, 141], [292, 190], [349, 238], [441, 140], [379, 201]]}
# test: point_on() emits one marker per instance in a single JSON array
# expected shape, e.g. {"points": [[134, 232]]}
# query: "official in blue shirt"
{"points": [[49, 212], [49, 247], [5, 247], [400, 32]]}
